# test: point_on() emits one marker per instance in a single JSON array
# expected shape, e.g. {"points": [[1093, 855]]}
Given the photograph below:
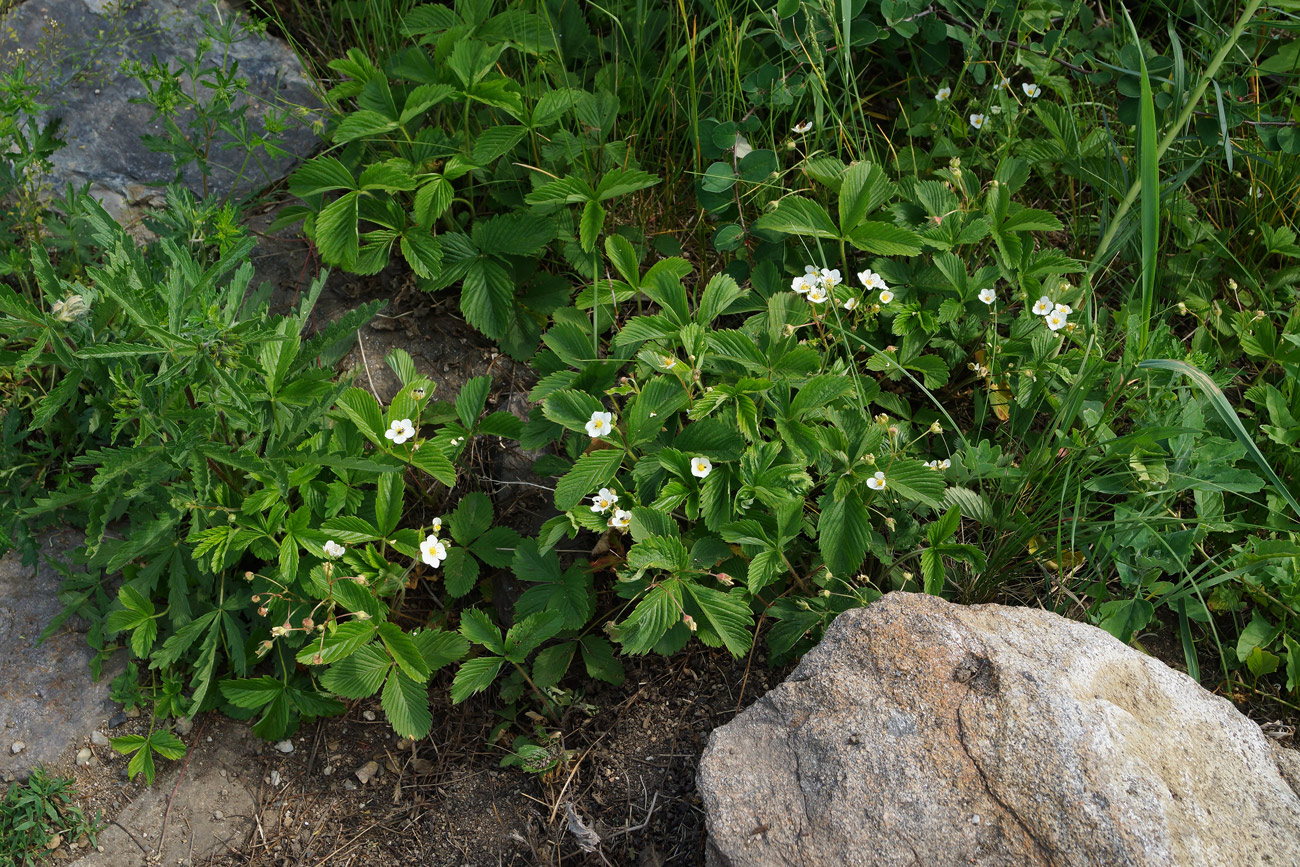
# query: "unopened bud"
{"points": [[363, 615], [70, 309], [1232, 284], [690, 622], [248, 576], [891, 523], [936, 428], [308, 623], [725, 579]]}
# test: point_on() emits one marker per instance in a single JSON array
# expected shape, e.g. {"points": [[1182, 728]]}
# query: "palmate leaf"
{"points": [[472, 517], [474, 676], [843, 531], [798, 216], [406, 704], [337, 236], [359, 675], [487, 297], [589, 474], [723, 618], [404, 651], [657, 612]]}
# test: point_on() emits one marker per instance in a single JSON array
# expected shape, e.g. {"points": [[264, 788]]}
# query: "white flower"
{"points": [[1043, 306], [803, 284], [603, 501], [437, 525], [433, 551], [977, 120], [1055, 321], [621, 520], [600, 424], [996, 109], [877, 482], [1031, 90], [817, 294], [942, 94], [886, 297], [802, 128], [831, 277], [1004, 82], [400, 431], [939, 466], [701, 467], [988, 296], [851, 304], [333, 550], [669, 362], [871, 280], [1064, 309]]}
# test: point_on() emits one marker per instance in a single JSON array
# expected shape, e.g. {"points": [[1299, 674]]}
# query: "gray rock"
{"points": [[99, 739], [17, 747], [285, 746], [47, 694], [922, 732], [84, 757], [86, 40]]}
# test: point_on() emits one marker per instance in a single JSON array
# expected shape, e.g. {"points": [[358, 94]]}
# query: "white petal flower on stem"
{"points": [[877, 482], [1031, 90], [1055, 321], [621, 520], [831, 277], [333, 550], [851, 304], [1004, 82], [871, 280], [995, 109], [669, 362], [886, 297], [802, 128], [433, 551], [942, 93], [939, 466], [978, 120], [988, 296], [802, 284], [701, 467], [1064, 309], [603, 501], [817, 294], [600, 424], [400, 431], [1043, 306], [437, 525]]}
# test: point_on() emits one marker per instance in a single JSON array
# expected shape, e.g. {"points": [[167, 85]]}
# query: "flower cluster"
{"points": [[816, 284], [939, 466], [871, 280], [1054, 315], [434, 550], [979, 119]]}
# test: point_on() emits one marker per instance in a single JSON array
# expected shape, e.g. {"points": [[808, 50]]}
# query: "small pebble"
{"points": [[98, 738], [133, 713], [84, 755], [349, 785], [18, 747], [222, 772], [369, 716], [275, 778], [218, 815], [366, 772], [285, 746], [183, 726], [329, 769], [404, 743], [117, 720]]}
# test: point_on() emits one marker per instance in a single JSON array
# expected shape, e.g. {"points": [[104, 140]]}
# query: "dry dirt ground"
{"points": [[627, 777]]}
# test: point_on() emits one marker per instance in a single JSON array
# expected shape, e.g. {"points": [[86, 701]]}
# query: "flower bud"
{"points": [[690, 622], [363, 615], [936, 428], [891, 523], [70, 309]]}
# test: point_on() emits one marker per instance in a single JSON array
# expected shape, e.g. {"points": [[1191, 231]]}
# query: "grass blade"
{"points": [[1219, 401], [1149, 178]]}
